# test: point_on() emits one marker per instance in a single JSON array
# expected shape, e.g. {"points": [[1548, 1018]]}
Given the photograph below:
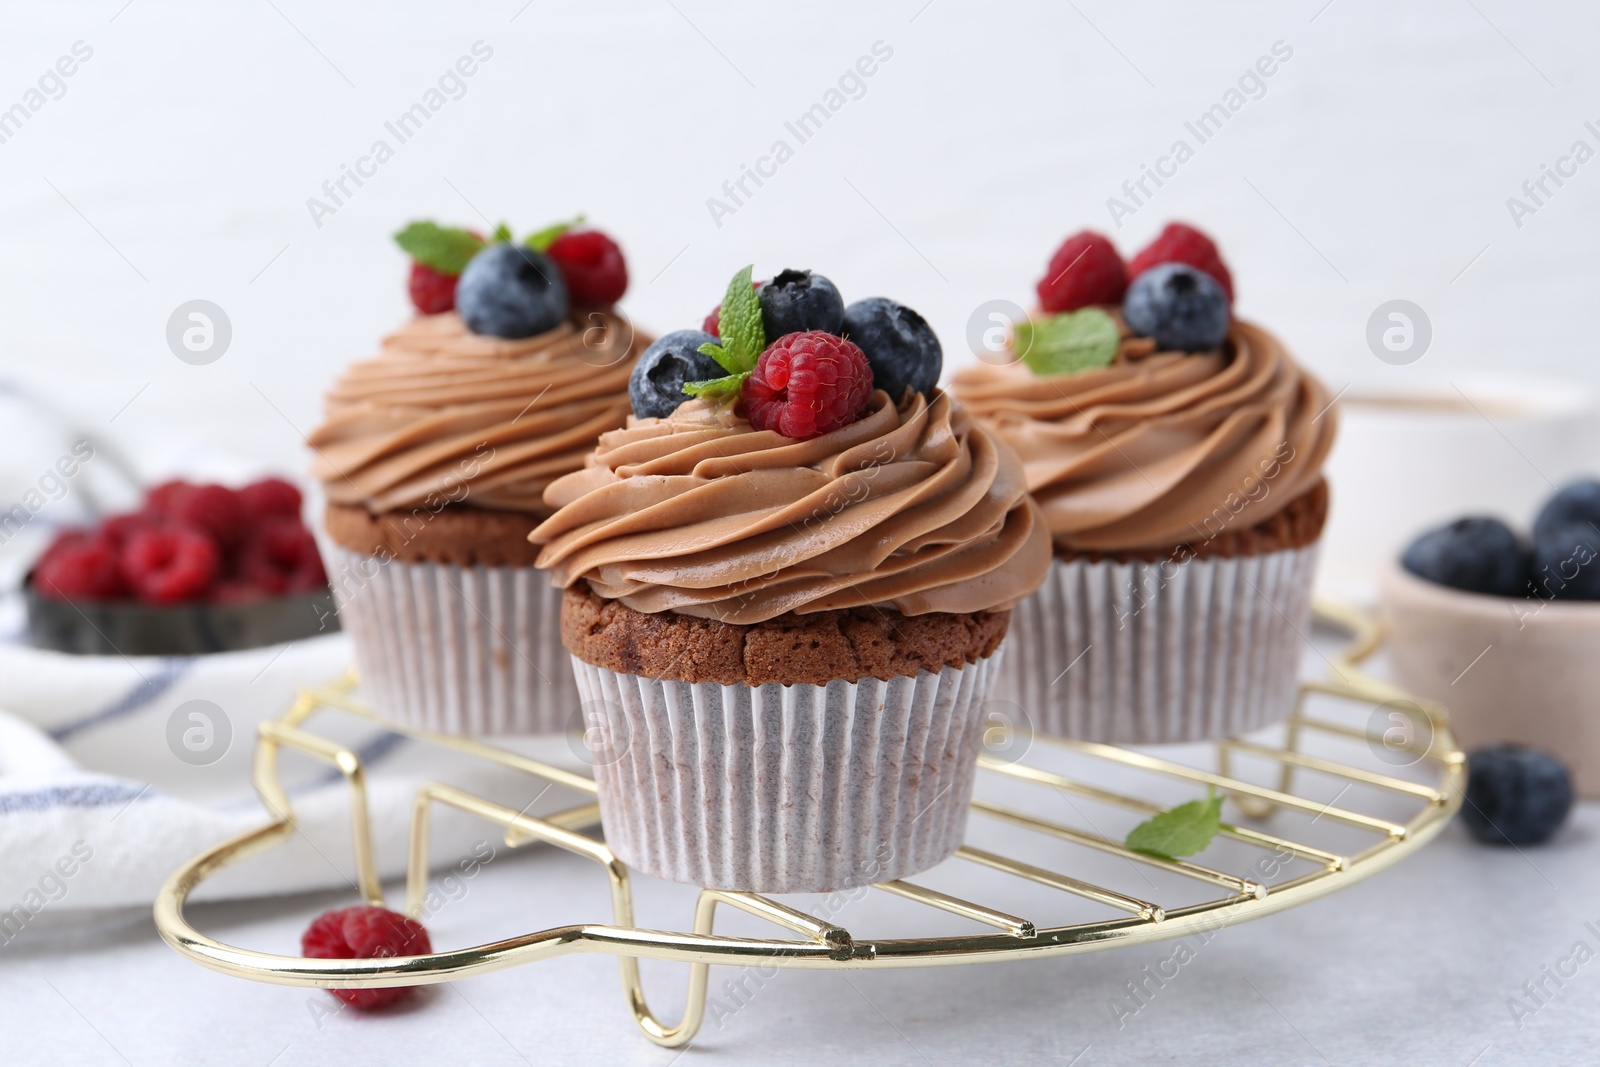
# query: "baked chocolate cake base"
{"points": [[810, 649], [457, 533]]}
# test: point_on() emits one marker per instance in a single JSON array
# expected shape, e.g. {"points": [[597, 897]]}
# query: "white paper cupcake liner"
{"points": [[1148, 653], [457, 650], [786, 789]]}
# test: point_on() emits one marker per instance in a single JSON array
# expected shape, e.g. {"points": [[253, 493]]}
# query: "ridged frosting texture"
{"points": [[914, 507], [444, 414], [1160, 449]]}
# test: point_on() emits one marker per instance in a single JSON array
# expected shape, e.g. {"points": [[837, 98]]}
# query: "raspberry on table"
{"points": [[432, 292], [84, 567], [365, 933], [1182, 243], [592, 265], [807, 384], [1085, 271], [168, 564]]}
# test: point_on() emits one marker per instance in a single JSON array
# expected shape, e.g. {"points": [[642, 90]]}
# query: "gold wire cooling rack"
{"points": [[1428, 798]]}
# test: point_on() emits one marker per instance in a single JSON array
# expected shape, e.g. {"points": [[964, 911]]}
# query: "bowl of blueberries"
{"points": [[1502, 626]]}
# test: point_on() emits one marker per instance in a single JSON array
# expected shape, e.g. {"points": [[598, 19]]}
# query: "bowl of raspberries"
{"points": [[1501, 624], [197, 568]]}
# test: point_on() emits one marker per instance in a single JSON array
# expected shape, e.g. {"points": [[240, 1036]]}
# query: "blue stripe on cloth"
{"points": [[163, 678], [87, 795]]}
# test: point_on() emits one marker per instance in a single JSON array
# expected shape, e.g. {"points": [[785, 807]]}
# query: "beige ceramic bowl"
{"points": [[1507, 670]]}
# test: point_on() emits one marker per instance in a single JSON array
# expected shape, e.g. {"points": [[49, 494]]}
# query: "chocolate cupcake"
{"points": [[785, 602], [1176, 454], [434, 458]]}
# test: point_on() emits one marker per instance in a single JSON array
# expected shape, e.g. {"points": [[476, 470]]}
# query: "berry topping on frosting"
{"points": [[365, 933], [511, 291], [438, 256], [1085, 270], [900, 346], [799, 300], [655, 389], [1181, 243], [807, 384], [1182, 308], [592, 265]]}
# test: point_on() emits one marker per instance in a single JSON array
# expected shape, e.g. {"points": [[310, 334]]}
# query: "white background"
{"points": [[179, 162], [1376, 166]]}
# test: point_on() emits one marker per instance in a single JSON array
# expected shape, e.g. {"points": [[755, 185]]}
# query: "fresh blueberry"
{"points": [[1184, 309], [1566, 562], [800, 300], [656, 387], [900, 346], [1477, 555], [1515, 795], [508, 290], [1578, 502]]}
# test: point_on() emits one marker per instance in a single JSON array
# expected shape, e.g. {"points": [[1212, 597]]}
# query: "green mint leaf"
{"points": [[541, 240], [444, 248], [718, 388], [739, 325], [1067, 343], [1183, 831], [502, 232], [725, 359]]}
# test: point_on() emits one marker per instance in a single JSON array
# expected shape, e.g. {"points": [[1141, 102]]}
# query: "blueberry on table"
{"points": [[900, 346], [1184, 309], [1578, 502], [798, 300], [656, 387], [1475, 555], [1566, 562], [509, 290], [1515, 795]]}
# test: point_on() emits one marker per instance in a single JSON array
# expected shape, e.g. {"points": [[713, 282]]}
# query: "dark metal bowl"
{"points": [[108, 628]]}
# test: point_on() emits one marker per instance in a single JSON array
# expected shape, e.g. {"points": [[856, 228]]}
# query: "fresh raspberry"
{"points": [[162, 500], [1181, 243], [712, 325], [82, 567], [807, 384], [217, 510], [365, 933], [169, 564], [281, 557], [591, 265], [270, 496], [432, 292], [116, 529], [1085, 270]]}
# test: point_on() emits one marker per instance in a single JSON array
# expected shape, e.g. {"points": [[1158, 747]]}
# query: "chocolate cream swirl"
{"points": [[914, 507], [1160, 449], [446, 414]]}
